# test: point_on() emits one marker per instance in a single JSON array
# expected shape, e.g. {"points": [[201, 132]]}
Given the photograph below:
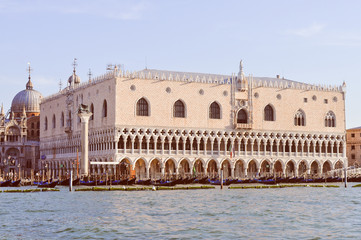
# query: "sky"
{"points": [[316, 42]]}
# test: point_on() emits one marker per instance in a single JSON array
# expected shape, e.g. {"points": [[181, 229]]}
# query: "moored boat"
{"points": [[48, 185]]}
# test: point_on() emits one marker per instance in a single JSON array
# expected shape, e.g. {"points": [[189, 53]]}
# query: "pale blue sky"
{"points": [[306, 41]]}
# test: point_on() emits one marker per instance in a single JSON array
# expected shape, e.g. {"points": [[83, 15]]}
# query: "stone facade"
{"points": [[155, 123], [20, 135], [353, 150]]}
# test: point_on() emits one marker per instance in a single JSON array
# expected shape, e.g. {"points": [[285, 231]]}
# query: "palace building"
{"points": [[20, 134], [154, 123], [354, 146]]}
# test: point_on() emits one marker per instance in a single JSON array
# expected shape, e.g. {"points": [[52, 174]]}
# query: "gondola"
{"points": [[218, 182], [204, 180], [267, 181], [144, 182], [5, 183], [165, 184], [48, 185], [66, 182], [15, 183], [87, 183]]}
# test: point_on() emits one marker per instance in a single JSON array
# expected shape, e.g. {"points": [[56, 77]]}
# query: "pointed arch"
{"points": [[62, 119], [142, 107], [269, 113], [179, 109], [54, 121], [330, 119], [215, 111], [46, 123], [242, 116], [105, 109], [92, 111], [300, 118]]}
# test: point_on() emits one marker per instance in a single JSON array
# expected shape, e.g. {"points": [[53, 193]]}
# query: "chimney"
{"points": [[277, 76]]}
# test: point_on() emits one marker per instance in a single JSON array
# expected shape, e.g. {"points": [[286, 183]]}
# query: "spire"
{"points": [[24, 112], [90, 75], [2, 110], [74, 65], [29, 84], [240, 73]]}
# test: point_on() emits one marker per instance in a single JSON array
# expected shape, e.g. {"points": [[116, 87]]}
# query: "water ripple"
{"points": [[297, 213]]}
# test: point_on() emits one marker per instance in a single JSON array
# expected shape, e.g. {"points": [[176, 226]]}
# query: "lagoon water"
{"points": [[286, 213]]}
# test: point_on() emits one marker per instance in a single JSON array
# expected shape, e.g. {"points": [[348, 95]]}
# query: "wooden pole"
{"points": [[71, 180], [221, 178]]}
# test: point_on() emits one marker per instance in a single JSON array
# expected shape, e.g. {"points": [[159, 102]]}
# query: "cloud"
{"points": [[312, 30]]}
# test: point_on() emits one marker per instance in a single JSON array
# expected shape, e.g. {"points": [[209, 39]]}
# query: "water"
{"points": [[286, 213]]}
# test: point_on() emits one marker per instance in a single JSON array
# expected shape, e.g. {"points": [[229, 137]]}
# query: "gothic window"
{"points": [[68, 122], [179, 109], [300, 118], [268, 113], [330, 119], [105, 109], [242, 116], [62, 119], [46, 123], [92, 111], [32, 125], [215, 111], [142, 107], [54, 121]]}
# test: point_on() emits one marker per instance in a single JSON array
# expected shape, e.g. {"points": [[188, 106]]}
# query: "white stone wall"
{"points": [[310, 143]]}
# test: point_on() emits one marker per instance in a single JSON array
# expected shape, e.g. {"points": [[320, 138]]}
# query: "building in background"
{"points": [[155, 123], [354, 146], [20, 134]]}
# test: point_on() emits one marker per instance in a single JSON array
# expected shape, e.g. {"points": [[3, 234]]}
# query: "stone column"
{"points": [[84, 162]]}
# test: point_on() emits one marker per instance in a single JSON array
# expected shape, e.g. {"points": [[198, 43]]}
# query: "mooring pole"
{"points": [[71, 181], [345, 177], [221, 178]]}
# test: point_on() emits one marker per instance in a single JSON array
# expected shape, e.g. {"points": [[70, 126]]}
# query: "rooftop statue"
{"points": [[83, 108]]}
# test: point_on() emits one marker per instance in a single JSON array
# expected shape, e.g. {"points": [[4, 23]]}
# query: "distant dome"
{"points": [[28, 98], [74, 78]]}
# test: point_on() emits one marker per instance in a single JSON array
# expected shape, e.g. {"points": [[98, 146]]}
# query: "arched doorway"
{"points": [[277, 169], [302, 169], [226, 166], [265, 169], [123, 169], [252, 169], [12, 163], [339, 165], [314, 168], [184, 168], [239, 169], [198, 168], [290, 169], [140, 169], [212, 170], [170, 169], [326, 168], [155, 171]]}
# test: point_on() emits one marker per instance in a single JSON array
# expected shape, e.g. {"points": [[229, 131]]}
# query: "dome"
{"points": [[74, 78], [28, 98]]}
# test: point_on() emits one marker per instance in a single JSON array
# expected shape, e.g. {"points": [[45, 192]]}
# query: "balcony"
{"points": [[243, 125]]}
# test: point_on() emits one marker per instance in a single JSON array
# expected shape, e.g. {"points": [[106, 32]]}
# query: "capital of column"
{"points": [[84, 116]]}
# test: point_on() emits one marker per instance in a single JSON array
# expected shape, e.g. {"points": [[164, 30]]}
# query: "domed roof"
{"points": [[28, 98], [74, 78]]}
